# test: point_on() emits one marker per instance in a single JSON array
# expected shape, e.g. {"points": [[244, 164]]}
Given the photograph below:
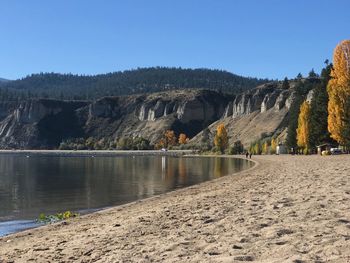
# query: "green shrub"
{"points": [[47, 219]]}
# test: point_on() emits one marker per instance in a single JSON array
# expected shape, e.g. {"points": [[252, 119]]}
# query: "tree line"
{"points": [[326, 119], [142, 80]]}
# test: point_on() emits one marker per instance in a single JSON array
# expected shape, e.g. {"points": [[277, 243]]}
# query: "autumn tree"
{"points": [[301, 90], [255, 147], [183, 138], [273, 146], [303, 130], [160, 144], [221, 139], [265, 147], [170, 138], [339, 92]]}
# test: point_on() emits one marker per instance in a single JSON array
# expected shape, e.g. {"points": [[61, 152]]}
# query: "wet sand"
{"points": [[286, 209]]}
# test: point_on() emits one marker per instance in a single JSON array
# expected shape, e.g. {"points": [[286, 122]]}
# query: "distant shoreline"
{"points": [[99, 153]]}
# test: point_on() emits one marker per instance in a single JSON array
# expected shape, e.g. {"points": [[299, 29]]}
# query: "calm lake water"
{"points": [[38, 184]]}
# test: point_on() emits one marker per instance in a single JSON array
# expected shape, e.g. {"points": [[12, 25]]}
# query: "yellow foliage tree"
{"points": [[183, 138], [273, 147], [265, 147], [339, 92], [303, 130], [221, 139], [257, 148]]}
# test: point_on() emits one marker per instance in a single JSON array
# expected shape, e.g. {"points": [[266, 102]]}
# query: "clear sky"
{"points": [[262, 38]]}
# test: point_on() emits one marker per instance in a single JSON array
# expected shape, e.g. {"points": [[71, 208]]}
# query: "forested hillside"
{"points": [[3, 80], [143, 80]]}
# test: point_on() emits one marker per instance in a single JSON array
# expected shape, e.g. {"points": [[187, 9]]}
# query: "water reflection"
{"points": [[29, 186]]}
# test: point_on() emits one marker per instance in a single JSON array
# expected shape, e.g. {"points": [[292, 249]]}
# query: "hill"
{"points": [[3, 81], [260, 113], [142, 80]]}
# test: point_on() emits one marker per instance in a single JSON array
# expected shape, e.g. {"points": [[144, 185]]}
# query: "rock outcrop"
{"points": [[263, 110], [260, 99], [45, 123], [39, 124]]}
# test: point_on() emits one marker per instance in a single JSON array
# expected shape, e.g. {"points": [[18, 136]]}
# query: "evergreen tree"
{"points": [[142, 80], [285, 84], [345, 133], [237, 147], [312, 74], [319, 114], [291, 140], [205, 142]]}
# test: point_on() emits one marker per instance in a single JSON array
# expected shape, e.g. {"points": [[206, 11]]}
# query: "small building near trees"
{"points": [[325, 147]]}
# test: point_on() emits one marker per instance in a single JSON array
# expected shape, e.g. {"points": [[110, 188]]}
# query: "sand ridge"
{"points": [[287, 209]]}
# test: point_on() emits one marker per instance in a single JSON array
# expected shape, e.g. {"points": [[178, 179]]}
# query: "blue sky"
{"points": [[262, 38]]}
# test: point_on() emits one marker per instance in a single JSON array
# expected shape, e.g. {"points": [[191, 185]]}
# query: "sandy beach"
{"points": [[285, 209]]}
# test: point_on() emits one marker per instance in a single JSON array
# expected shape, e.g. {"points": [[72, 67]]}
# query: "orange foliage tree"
{"points": [[221, 139], [339, 93], [183, 138], [303, 130], [170, 138]]}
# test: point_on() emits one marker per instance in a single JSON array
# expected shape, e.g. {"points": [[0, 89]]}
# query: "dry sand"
{"points": [[287, 209]]}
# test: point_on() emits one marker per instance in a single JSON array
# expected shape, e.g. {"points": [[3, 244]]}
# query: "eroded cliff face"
{"points": [[38, 124], [263, 110], [7, 107], [262, 99], [45, 123], [149, 116], [204, 106]]}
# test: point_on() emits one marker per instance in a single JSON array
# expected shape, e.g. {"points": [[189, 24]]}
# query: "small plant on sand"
{"points": [[47, 219]]}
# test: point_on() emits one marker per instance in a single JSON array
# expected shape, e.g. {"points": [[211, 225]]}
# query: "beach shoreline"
{"points": [[30, 223], [284, 209]]}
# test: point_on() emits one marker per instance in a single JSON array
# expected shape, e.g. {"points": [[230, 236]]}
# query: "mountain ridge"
{"points": [[2, 80], [141, 80]]}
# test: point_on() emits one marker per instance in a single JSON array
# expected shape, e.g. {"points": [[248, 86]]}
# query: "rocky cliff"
{"points": [[256, 113], [247, 116], [45, 123], [39, 124]]}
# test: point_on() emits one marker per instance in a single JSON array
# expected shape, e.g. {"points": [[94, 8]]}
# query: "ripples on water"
{"points": [[30, 186]]}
